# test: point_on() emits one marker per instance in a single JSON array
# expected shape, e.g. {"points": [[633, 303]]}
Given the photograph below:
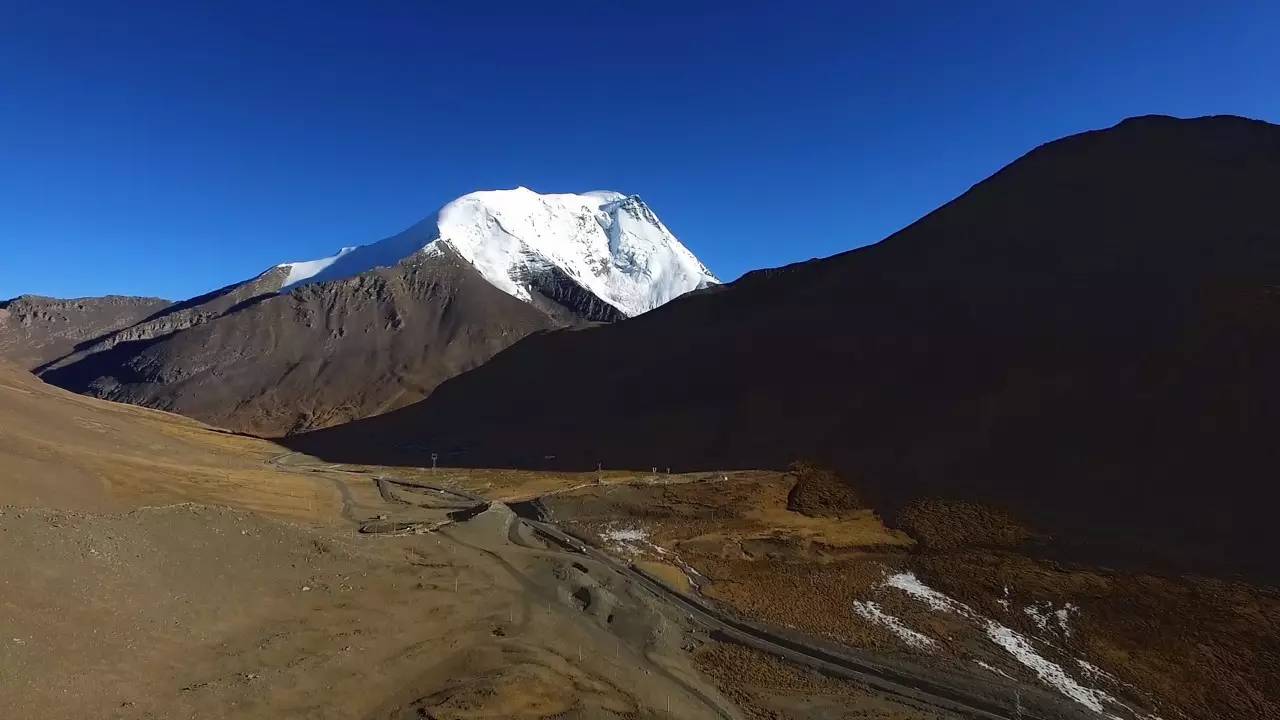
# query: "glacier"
{"points": [[611, 244]]}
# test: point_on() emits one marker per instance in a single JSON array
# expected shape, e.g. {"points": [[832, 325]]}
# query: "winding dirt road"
{"points": [[953, 692]]}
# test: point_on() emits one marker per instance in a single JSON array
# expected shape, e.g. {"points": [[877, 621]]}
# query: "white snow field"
{"points": [[1020, 647], [611, 244]]}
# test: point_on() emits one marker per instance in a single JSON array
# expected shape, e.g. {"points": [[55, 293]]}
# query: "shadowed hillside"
{"points": [[1087, 339]]}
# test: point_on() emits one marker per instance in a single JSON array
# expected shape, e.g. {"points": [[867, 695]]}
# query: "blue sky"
{"points": [[170, 148]]}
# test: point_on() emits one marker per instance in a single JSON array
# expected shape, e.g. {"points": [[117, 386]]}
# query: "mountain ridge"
{"points": [[381, 325], [968, 355], [601, 240], [36, 330]]}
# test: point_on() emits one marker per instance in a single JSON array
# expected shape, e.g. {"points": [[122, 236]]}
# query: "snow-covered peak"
{"points": [[611, 244], [302, 271]]}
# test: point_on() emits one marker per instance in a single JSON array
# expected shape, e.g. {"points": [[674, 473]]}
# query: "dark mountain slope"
{"points": [[1089, 338], [321, 354], [37, 330]]}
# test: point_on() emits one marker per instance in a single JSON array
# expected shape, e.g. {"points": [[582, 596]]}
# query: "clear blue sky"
{"points": [[170, 148]]}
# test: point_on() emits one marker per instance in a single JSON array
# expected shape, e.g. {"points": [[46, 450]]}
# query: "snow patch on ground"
{"points": [[1020, 647], [911, 585], [1050, 620], [871, 611], [635, 541], [1095, 671], [1048, 671], [626, 540], [993, 669]]}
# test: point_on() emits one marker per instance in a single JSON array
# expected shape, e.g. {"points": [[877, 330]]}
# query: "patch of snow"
{"points": [[1095, 671], [1048, 619], [690, 570], [626, 535], [629, 541], [611, 244], [691, 573], [300, 272], [1063, 614], [994, 669], [871, 611], [1040, 618], [1048, 671], [634, 541], [1012, 642], [911, 585]]}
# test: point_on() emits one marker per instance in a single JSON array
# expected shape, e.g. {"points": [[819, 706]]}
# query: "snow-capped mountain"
{"points": [[611, 245], [311, 344]]}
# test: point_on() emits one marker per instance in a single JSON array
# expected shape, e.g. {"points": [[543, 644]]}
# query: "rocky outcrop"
{"points": [[35, 331]]}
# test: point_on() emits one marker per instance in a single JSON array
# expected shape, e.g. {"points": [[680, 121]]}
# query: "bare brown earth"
{"points": [[62, 450], [197, 611], [158, 568], [129, 593]]}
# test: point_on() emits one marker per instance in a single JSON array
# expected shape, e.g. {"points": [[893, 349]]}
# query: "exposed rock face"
{"points": [[182, 315], [255, 361], [37, 330], [1088, 339], [553, 285]]}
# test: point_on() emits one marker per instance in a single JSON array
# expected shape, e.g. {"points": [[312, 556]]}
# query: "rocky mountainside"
{"points": [[37, 330], [321, 354], [1087, 339], [311, 344]]}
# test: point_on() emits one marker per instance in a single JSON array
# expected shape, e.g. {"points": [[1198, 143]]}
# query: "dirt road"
{"points": [[965, 695]]}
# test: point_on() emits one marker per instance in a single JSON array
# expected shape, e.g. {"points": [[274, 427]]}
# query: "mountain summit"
{"points": [[608, 244], [372, 328]]}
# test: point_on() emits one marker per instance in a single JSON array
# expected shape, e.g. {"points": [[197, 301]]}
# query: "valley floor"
{"points": [[368, 592], [199, 611]]}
